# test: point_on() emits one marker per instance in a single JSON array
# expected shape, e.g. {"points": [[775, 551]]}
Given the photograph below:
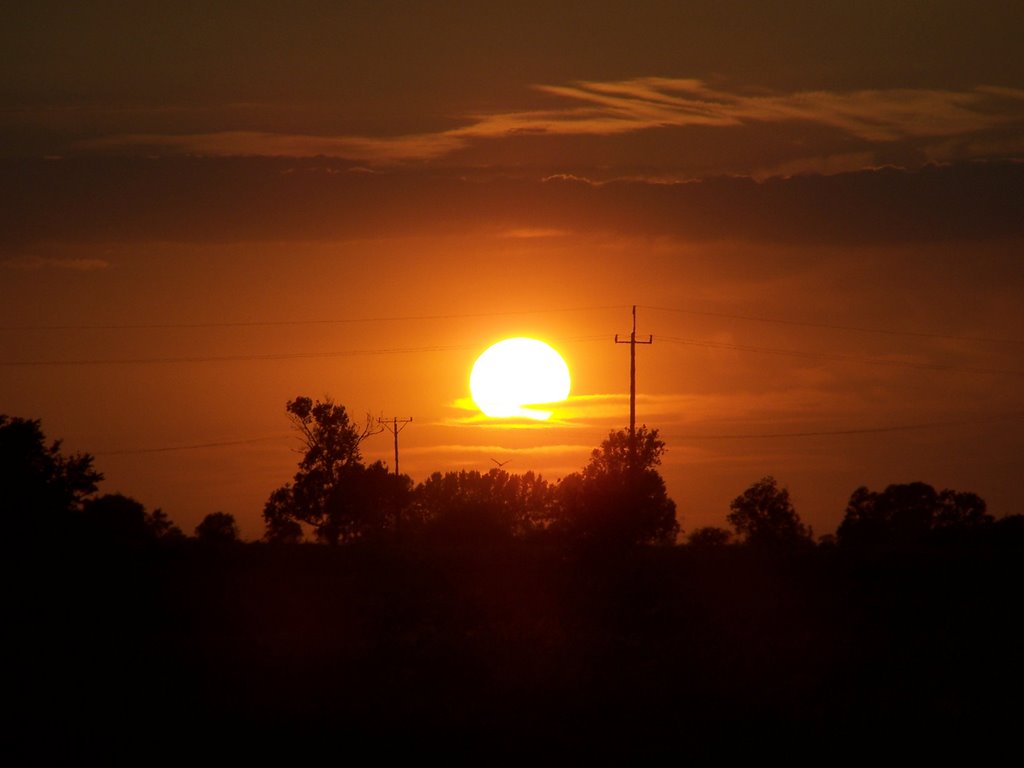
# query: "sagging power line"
{"points": [[837, 326], [272, 323], [838, 356]]}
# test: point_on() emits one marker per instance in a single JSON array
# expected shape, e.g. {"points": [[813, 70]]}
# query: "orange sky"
{"points": [[820, 217]]}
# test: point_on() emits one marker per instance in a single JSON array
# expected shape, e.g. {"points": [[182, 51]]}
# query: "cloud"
{"points": [[179, 199], [264, 144], [654, 102], [536, 233], [493, 450], [929, 117], [575, 411], [32, 263]]}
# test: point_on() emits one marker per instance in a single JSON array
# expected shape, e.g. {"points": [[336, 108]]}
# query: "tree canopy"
{"points": [[491, 504], [907, 513], [709, 536], [332, 491], [114, 518], [620, 496], [218, 528], [40, 487], [763, 515]]}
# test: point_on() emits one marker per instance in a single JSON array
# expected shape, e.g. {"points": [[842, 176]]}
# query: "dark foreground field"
{"points": [[514, 649]]}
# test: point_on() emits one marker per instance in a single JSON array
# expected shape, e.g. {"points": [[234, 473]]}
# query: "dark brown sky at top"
{"points": [[380, 69], [852, 165]]}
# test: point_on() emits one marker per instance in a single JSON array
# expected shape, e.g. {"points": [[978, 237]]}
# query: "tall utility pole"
{"points": [[394, 427], [632, 385]]}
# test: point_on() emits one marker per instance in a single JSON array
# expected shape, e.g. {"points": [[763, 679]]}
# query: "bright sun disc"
{"points": [[514, 375]]}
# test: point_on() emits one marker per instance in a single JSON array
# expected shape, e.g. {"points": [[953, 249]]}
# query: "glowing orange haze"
{"points": [[730, 383]]}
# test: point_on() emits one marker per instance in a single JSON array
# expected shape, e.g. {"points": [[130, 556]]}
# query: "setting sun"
{"points": [[514, 376]]}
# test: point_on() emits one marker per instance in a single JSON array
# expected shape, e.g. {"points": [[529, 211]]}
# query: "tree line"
{"points": [[47, 495], [512, 610], [618, 499]]}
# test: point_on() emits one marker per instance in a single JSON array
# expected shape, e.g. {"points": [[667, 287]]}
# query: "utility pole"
{"points": [[632, 386], [394, 427]]}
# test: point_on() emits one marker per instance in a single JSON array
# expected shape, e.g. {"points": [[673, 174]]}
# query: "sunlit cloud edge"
{"points": [[605, 108]]}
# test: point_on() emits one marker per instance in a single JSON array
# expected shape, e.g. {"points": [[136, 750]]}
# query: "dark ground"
{"points": [[517, 650]]}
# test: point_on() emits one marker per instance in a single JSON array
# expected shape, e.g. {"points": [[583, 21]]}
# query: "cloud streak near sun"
{"points": [[594, 108]]}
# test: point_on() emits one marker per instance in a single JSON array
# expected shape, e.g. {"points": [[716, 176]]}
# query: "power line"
{"points": [[265, 357], [470, 315], [680, 438], [838, 327], [271, 323], [851, 431], [192, 447], [840, 357], [233, 358]]}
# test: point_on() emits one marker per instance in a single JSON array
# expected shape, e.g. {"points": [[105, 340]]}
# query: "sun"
{"points": [[511, 378]]}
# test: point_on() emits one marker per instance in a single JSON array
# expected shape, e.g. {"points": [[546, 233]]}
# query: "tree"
{"points": [[619, 497], [905, 514], [333, 492], [40, 487], [961, 509], [163, 527], [279, 520], [218, 528], [114, 518], [493, 504], [709, 536], [763, 515]]}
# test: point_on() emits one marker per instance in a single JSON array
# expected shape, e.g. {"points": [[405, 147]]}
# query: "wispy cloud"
{"points": [[593, 108], [535, 233], [425, 146], [576, 411], [873, 115], [494, 450], [32, 263]]}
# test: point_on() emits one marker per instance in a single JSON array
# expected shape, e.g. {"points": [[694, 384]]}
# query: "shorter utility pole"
{"points": [[395, 426], [632, 386]]}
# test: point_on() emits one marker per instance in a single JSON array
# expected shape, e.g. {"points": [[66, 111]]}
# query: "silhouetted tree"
{"points": [[619, 497], [709, 536], [961, 509], [118, 519], [1010, 528], [333, 492], [904, 514], [278, 517], [40, 488], [496, 503], [163, 527], [218, 528], [763, 515]]}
